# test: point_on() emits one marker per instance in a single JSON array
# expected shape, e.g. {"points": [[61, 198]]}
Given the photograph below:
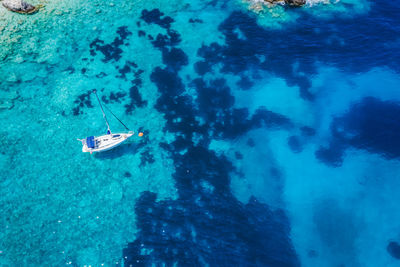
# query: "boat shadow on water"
{"points": [[121, 150]]}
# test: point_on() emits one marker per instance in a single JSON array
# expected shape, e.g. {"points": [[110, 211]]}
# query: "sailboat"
{"points": [[109, 140]]}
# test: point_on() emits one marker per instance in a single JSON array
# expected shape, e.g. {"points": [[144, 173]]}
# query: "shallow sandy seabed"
{"points": [[62, 205]]}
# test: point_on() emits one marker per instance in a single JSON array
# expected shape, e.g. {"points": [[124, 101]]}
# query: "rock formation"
{"points": [[19, 6], [7, 99], [295, 2], [394, 249], [288, 2]]}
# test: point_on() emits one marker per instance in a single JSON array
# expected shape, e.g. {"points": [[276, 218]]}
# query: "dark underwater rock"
{"points": [[295, 2], [394, 249], [19, 6], [295, 144], [7, 99], [288, 2], [371, 125]]}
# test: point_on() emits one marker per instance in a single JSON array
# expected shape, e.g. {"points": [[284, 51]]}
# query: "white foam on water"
{"points": [[331, 8], [278, 15]]}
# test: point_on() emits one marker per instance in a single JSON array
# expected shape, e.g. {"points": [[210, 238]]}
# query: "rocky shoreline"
{"points": [[263, 5], [297, 3], [19, 6]]}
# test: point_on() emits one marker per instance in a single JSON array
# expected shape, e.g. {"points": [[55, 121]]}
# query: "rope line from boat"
{"points": [[104, 115], [116, 117]]}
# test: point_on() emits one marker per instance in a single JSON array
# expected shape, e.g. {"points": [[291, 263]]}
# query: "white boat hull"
{"points": [[106, 142]]}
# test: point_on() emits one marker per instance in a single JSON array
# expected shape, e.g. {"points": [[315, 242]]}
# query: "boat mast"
{"points": [[104, 115]]}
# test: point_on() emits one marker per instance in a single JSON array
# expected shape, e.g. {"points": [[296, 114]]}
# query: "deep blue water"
{"points": [[263, 146]]}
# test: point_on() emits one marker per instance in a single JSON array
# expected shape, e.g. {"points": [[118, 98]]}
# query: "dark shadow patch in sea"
{"points": [[291, 52], [370, 125], [112, 51], [206, 224]]}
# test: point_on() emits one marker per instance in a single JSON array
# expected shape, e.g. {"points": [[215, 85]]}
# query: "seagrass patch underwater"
{"points": [[269, 134]]}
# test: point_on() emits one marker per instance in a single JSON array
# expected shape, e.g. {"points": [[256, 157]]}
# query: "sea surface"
{"points": [[271, 135]]}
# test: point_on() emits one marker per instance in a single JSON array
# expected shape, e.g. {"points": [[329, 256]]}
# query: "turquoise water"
{"points": [[270, 137]]}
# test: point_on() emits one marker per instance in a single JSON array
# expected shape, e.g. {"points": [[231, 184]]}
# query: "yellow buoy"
{"points": [[140, 134]]}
